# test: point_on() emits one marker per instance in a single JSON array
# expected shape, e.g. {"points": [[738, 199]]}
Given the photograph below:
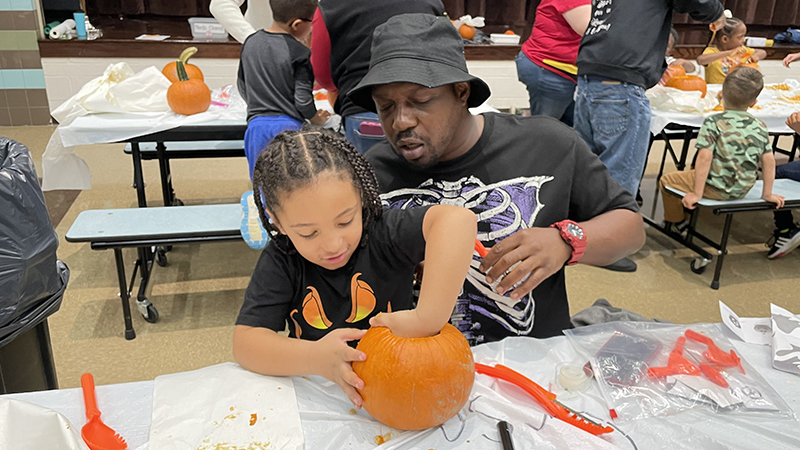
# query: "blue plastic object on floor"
{"points": [[253, 231]]}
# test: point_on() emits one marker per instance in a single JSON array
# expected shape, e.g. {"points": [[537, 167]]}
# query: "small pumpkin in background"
{"points": [[193, 72], [467, 31], [688, 83], [415, 383], [752, 65], [187, 96]]}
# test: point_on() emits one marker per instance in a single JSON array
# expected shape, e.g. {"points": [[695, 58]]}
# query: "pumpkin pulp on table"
{"points": [[415, 383]]}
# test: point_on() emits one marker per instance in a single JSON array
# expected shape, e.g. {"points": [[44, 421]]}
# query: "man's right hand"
{"points": [[334, 358]]}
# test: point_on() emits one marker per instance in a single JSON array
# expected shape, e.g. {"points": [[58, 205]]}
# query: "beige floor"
{"points": [[199, 293]]}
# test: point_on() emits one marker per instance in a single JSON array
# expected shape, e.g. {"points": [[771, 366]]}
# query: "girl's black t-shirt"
{"points": [[313, 300]]}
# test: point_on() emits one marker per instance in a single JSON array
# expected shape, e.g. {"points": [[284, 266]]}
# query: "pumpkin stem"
{"points": [[187, 53], [181, 71]]}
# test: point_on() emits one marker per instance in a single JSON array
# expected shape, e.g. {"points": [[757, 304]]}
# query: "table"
{"points": [[127, 407]]}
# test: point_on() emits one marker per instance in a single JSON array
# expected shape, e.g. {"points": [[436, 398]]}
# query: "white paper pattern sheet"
{"points": [[785, 340], [224, 407]]}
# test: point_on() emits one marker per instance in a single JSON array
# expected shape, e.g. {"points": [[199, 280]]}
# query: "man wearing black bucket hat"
{"points": [[543, 200]]}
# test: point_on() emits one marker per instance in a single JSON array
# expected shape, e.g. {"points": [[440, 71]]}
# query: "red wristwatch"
{"points": [[573, 234]]}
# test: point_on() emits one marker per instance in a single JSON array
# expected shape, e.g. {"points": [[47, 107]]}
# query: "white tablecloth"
{"points": [[769, 108], [127, 407]]}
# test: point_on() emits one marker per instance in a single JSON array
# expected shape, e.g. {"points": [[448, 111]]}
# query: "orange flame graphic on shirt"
{"points": [[363, 298], [313, 311]]}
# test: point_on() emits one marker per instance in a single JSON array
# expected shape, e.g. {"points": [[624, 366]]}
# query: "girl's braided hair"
{"points": [[294, 159], [731, 24]]}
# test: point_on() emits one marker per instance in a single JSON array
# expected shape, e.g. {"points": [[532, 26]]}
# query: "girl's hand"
{"points": [[790, 59], [407, 324], [335, 358], [774, 198]]}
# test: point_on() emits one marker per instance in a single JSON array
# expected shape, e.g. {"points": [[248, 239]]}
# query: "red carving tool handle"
{"points": [[89, 399], [545, 398], [481, 249]]}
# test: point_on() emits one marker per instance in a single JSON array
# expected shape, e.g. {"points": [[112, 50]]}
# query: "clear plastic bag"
{"points": [[647, 369]]}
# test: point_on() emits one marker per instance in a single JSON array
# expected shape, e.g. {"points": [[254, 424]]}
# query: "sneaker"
{"points": [[623, 265], [253, 231], [676, 228], [783, 242]]}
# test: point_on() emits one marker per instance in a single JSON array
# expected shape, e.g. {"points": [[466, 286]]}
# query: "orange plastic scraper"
{"points": [[96, 434]]}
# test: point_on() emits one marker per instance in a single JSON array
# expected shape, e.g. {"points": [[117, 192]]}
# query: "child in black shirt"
{"points": [[337, 259], [275, 80]]}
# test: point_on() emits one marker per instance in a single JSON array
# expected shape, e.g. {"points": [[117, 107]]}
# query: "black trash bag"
{"points": [[32, 280]]}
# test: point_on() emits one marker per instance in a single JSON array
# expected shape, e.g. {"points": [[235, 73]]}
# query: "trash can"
{"points": [[32, 279]]}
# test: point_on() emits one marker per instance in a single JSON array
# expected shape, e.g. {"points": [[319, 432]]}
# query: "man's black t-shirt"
{"points": [[378, 278], [522, 173]]}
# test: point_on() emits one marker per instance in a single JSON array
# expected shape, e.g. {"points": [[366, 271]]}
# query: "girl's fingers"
{"points": [[352, 354], [353, 380], [350, 334], [351, 394]]}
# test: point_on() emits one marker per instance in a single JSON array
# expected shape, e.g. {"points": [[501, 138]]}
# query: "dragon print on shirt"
{"points": [[501, 209]]}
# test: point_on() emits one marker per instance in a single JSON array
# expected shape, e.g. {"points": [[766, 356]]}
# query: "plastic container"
{"points": [[504, 39], [207, 28]]}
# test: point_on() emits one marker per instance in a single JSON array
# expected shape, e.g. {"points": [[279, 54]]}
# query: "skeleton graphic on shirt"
{"points": [[501, 209]]}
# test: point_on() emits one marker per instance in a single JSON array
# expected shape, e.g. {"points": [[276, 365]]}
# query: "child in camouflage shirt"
{"points": [[729, 146]]}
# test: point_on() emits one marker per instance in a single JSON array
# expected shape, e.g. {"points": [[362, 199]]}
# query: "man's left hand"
{"points": [[540, 252]]}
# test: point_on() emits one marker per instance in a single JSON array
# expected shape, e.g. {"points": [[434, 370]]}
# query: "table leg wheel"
{"points": [[151, 314], [161, 257], [698, 265]]}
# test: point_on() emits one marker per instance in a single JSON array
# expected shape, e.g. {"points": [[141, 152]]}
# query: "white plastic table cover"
{"points": [[328, 424], [769, 108]]}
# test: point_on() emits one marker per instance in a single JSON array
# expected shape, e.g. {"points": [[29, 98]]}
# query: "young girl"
{"points": [[337, 260], [728, 51]]}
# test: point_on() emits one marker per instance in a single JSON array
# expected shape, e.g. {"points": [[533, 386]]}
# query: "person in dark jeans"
{"points": [[786, 236], [622, 55]]}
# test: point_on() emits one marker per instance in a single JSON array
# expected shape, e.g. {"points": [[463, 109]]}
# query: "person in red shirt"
{"points": [[546, 64]]}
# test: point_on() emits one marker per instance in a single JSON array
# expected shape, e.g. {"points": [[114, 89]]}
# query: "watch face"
{"points": [[575, 230]]}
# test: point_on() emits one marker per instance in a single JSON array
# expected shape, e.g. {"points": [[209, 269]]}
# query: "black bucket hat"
{"points": [[417, 48]]}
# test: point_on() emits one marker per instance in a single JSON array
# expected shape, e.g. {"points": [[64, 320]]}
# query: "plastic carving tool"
{"points": [[715, 355], [544, 398], [96, 434], [677, 364], [713, 375], [481, 249]]}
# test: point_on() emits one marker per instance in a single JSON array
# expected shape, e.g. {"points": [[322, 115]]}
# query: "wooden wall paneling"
{"points": [[763, 12], [746, 10], [476, 7], [785, 12], [454, 8], [508, 13]]}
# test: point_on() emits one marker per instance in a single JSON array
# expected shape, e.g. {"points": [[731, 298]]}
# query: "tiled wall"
{"points": [[23, 98]]}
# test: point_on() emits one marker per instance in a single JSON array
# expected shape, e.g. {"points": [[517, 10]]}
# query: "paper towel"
{"points": [[58, 31]]}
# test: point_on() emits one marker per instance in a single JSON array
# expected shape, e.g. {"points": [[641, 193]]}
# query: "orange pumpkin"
{"points": [[510, 32], [467, 31], [187, 96], [688, 83], [193, 72], [672, 71], [415, 383], [751, 65]]}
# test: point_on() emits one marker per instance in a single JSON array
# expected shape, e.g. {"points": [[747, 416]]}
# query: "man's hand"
{"points": [[321, 117], [690, 200], [406, 324], [335, 357], [793, 121], [774, 198], [540, 252]]}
